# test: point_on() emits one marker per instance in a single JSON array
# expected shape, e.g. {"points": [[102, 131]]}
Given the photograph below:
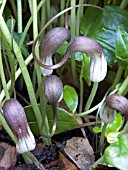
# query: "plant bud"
{"points": [[16, 118], [50, 43], [53, 89]]}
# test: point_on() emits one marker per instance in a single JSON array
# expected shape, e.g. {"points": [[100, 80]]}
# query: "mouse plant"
{"points": [[16, 119]]}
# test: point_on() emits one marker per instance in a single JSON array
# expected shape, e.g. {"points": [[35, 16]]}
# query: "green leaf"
{"points": [[85, 71], [97, 129], [102, 26], [65, 121], [117, 153], [62, 49], [70, 97], [115, 125], [121, 44], [17, 36], [1, 1], [113, 137]]}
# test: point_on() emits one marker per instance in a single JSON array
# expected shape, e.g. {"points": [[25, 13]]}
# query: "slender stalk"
{"points": [[78, 17], [3, 5], [118, 77], [81, 94], [43, 16], [34, 160], [6, 127], [89, 102], [101, 143], [92, 95], [10, 58], [30, 5], [25, 6], [23, 67], [89, 111], [13, 5], [37, 67], [48, 12], [73, 33], [17, 74], [123, 4], [125, 129], [28, 25], [99, 161], [62, 6], [123, 86], [2, 75], [19, 14]]}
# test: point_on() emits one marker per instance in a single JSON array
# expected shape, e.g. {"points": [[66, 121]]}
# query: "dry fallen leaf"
{"points": [[7, 156], [65, 164], [80, 151]]}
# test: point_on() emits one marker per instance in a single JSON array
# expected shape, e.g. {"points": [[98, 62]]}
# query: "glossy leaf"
{"points": [[62, 49], [115, 125], [102, 26], [17, 37], [65, 121], [70, 97], [113, 137], [117, 153], [121, 44], [97, 129]]}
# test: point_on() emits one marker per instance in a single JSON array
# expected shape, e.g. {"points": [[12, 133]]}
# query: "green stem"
{"points": [[43, 16], [89, 102], [48, 12], [125, 129], [99, 161], [13, 5], [25, 6], [73, 34], [10, 58], [30, 5], [2, 75], [81, 94], [123, 86], [78, 17], [19, 14], [3, 5], [23, 67], [62, 6], [123, 4], [6, 127], [28, 25], [34, 160], [89, 111], [118, 77], [101, 143], [17, 74], [38, 73], [92, 95]]}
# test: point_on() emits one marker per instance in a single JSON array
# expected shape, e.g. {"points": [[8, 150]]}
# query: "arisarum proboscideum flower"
{"points": [[16, 119], [49, 44], [53, 93], [113, 103], [98, 63]]}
